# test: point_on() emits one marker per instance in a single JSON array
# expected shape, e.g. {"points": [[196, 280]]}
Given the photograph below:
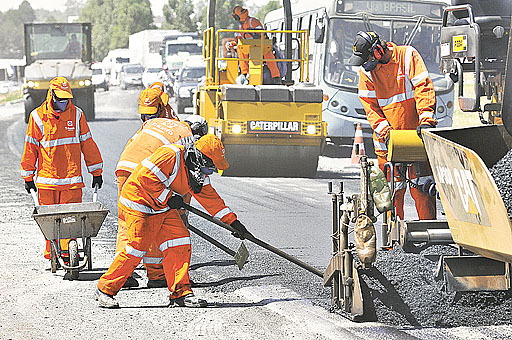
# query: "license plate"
{"points": [[260, 126]]}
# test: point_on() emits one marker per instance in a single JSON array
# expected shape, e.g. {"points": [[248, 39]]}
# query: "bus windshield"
{"points": [[191, 48], [340, 38]]}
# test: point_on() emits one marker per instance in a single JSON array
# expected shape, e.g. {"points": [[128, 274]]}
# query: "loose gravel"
{"points": [[501, 173]]}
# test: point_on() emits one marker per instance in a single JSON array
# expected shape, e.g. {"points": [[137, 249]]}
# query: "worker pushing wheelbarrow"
{"points": [[51, 165], [70, 221]]}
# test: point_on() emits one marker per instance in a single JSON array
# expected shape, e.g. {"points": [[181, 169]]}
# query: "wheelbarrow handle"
{"points": [[95, 193], [33, 193]]}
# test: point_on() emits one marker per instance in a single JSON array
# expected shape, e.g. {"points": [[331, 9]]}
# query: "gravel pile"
{"points": [[401, 290], [501, 172]]}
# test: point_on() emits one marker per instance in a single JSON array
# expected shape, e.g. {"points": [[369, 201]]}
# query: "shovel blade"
{"points": [[241, 256]]}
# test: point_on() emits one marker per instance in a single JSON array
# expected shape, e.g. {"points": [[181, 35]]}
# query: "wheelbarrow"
{"points": [[70, 221]]}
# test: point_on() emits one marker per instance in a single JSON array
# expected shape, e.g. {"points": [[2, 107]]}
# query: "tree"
{"points": [[179, 15], [113, 21], [269, 7], [11, 30], [223, 11]]}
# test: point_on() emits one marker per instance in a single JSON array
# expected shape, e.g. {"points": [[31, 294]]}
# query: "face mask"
{"points": [[206, 170], [61, 104], [370, 65]]}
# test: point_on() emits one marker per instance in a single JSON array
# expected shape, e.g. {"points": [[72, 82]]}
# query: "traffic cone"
{"points": [[358, 147]]}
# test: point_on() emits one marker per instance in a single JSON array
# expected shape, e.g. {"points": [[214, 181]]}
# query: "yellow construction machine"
{"points": [[476, 51], [267, 130]]}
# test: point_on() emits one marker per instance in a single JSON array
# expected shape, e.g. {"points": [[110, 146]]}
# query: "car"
{"points": [[151, 75], [130, 75], [187, 79], [99, 77]]}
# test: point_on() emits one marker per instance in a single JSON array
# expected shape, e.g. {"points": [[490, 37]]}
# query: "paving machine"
{"points": [[58, 49], [267, 130], [476, 52]]}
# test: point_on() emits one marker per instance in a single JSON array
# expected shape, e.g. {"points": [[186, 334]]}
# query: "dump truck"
{"points": [[475, 51], [58, 49]]}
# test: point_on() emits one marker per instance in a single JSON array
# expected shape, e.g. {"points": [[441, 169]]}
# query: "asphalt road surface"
{"points": [[269, 299]]}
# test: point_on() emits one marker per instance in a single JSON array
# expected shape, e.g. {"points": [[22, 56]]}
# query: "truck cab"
{"points": [[58, 49]]}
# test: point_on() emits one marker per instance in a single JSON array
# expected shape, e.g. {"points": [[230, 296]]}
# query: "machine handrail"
{"points": [[213, 79], [466, 7]]}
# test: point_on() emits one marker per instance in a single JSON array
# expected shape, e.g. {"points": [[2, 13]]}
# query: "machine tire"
{"points": [[88, 252], [73, 259], [29, 106]]}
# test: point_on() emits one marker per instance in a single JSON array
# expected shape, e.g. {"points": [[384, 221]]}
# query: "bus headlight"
{"points": [[311, 129], [236, 129], [87, 82]]}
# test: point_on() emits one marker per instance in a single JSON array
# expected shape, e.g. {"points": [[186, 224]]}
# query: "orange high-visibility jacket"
{"points": [[397, 95], [157, 177], [249, 24], [153, 134], [56, 145]]}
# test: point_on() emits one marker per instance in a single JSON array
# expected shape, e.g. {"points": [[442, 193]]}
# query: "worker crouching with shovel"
{"points": [[151, 215]]}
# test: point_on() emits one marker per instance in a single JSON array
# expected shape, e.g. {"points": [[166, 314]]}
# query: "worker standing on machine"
{"points": [[246, 22], [397, 93], [151, 215], [154, 133], [57, 135]]}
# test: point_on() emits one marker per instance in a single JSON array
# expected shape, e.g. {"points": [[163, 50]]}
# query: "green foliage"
{"points": [[269, 7], [223, 18], [113, 21], [11, 30], [179, 15]]}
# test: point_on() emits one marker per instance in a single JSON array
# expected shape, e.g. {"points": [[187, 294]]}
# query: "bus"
{"points": [[332, 27]]}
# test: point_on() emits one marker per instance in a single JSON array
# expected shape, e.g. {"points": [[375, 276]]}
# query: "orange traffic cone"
{"points": [[358, 147]]}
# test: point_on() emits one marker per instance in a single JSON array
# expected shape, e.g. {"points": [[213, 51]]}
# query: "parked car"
{"points": [[99, 77], [131, 76], [150, 75], [186, 81]]}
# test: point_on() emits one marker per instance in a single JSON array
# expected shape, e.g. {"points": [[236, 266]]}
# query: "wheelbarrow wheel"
{"points": [[88, 252], [73, 259], [53, 258]]}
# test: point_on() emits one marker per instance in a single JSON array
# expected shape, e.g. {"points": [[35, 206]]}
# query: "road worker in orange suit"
{"points": [[246, 22], [154, 133], [167, 111], [151, 215], [397, 94], [57, 135]]}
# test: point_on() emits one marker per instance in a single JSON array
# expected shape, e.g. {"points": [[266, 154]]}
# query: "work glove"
{"points": [[30, 185], [175, 202], [240, 230], [421, 127], [242, 79], [97, 180]]}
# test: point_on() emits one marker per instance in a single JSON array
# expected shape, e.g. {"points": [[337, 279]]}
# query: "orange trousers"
{"points": [[272, 65], [169, 232], [425, 204], [49, 197], [154, 257]]}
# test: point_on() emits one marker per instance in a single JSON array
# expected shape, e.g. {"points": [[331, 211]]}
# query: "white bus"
{"points": [[333, 25]]}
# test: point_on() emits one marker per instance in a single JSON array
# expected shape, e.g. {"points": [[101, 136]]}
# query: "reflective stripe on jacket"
{"points": [[153, 134], [157, 177], [56, 145], [399, 94]]}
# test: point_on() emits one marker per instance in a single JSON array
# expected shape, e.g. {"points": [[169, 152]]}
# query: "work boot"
{"points": [[157, 283], [131, 282], [105, 300], [189, 300], [277, 81]]}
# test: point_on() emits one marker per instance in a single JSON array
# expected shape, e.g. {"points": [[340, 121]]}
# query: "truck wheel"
{"points": [[73, 259], [29, 106]]}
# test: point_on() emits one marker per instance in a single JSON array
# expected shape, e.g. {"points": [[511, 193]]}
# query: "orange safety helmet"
{"points": [[240, 14]]}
